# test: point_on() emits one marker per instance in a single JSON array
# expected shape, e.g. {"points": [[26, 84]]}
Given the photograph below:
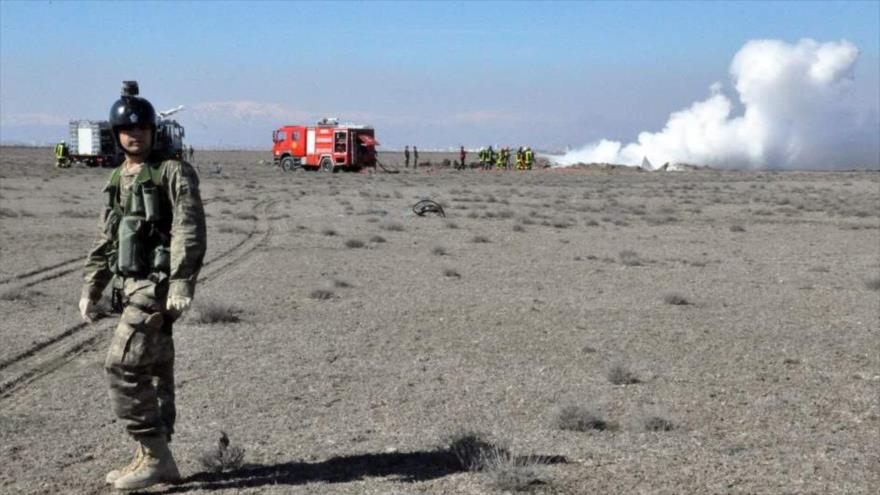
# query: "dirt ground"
{"points": [[745, 305]]}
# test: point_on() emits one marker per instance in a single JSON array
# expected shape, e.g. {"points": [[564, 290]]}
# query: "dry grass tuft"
{"points": [[471, 449], [322, 294], [19, 295], [579, 418], [224, 457], [439, 251], [518, 228], [480, 239], [354, 243], [505, 471], [737, 228], [393, 227], [211, 312], [675, 299], [630, 258], [621, 375], [873, 283], [657, 423], [510, 473], [377, 239], [328, 232], [450, 272]]}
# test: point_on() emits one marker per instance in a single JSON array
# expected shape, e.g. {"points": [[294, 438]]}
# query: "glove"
{"points": [[178, 303], [86, 308]]}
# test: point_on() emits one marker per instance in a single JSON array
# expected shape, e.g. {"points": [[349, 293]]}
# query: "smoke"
{"points": [[799, 114]]}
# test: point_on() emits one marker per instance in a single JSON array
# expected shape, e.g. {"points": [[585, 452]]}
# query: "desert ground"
{"points": [[606, 330]]}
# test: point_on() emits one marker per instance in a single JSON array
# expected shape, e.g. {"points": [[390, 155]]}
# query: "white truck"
{"points": [[92, 144]]}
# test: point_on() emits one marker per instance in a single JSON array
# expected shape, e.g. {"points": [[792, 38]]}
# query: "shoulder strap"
{"points": [[112, 189], [151, 172], [115, 176]]}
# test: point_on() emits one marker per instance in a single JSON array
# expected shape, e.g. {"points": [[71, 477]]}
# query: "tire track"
{"points": [[265, 235], [41, 270], [51, 354], [64, 267]]}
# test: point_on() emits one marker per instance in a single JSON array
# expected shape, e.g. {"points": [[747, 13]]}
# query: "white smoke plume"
{"points": [[798, 114]]}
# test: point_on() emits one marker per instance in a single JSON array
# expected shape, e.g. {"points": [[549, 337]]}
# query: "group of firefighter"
{"points": [[489, 158]]}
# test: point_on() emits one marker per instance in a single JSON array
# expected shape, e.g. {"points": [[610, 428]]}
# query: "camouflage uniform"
{"points": [[140, 362]]}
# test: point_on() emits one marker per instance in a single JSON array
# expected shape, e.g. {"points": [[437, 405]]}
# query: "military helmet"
{"points": [[131, 110]]}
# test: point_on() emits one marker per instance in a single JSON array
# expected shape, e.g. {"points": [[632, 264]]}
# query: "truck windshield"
{"points": [[279, 136]]}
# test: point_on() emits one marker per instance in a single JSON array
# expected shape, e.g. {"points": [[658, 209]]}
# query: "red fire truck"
{"points": [[326, 146]]}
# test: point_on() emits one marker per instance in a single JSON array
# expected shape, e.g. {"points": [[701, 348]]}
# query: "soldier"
{"points": [[153, 242], [406, 156], [462, 154], [61, 155]]}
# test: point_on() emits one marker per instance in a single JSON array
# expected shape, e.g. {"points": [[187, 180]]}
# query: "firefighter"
{"points": [[490, 158], [529, 158], [482, 156], [151, 247], [520, 163], [415, 157], [62, 155], [406, 156], [499, 159], [462, 154]]}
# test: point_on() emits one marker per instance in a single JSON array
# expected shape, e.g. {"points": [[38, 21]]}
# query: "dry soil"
{"points": [[744, 304]]}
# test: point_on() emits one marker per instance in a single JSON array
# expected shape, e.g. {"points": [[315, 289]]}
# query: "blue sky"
{"points": [[433, 74]]}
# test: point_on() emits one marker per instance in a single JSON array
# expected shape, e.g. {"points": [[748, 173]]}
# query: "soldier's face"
{"points": [[136, 141]]}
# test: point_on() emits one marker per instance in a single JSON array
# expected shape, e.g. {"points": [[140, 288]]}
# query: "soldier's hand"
{"points": [[179, 304], [86, 309]]}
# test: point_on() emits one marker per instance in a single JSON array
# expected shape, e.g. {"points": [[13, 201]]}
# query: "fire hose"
{"points": [[385, 169]]}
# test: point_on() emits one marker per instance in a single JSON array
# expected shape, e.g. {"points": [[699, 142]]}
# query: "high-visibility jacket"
{"points": [[60, 150], [530, 157]]}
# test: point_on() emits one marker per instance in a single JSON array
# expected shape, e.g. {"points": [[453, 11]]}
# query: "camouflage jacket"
{"points": [[180, 185]]}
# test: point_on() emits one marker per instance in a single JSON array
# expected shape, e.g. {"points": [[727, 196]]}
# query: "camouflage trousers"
{"points": [[140, 362]]}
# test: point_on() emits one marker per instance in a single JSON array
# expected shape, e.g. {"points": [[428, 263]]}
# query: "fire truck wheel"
{"points": [[326, 165], [288, 164]]}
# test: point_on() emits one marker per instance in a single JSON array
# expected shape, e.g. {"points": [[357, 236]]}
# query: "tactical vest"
{"points": [[140, 230]]}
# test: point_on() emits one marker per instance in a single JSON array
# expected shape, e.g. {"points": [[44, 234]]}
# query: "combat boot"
{"points": [[114, 475], [157, 466]]}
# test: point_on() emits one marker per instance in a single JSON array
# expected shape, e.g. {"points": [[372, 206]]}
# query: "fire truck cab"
{"points": [[326, 146]]}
